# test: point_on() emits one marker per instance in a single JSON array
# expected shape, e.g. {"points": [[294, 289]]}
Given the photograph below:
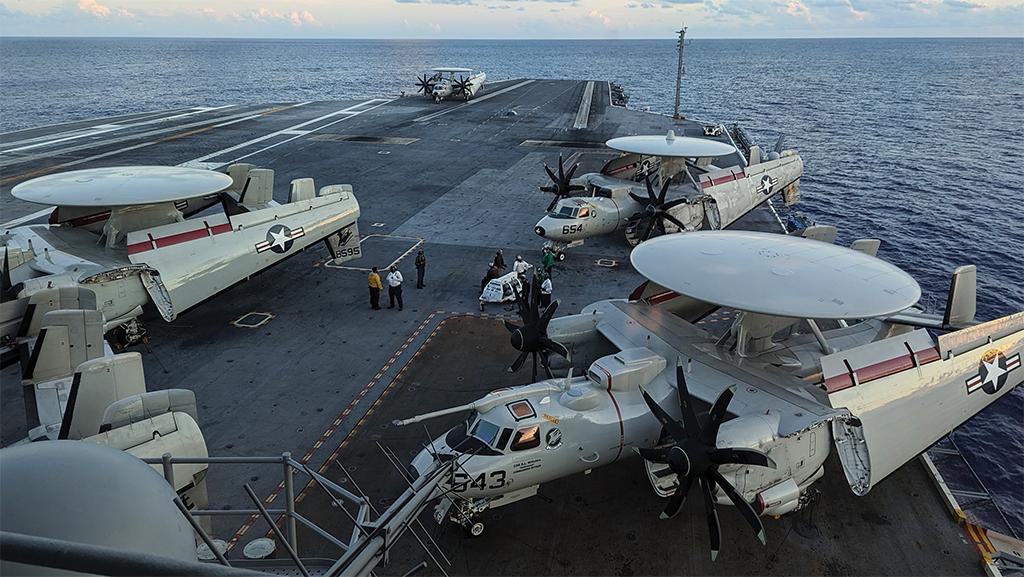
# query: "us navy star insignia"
{"points": [[280, 239], [993, 370], [767, 184]]}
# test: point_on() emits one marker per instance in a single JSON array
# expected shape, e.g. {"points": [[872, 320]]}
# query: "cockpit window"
{"points": [[521, 410], [503, 440], [527, 438], [567, 211], [486, 431]]}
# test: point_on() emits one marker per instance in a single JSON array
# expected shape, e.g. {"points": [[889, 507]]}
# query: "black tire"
{"points": [[560, 256], [475, 528]]}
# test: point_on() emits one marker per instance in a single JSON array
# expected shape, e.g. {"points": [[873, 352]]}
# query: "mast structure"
{"points": [[680, 71]]}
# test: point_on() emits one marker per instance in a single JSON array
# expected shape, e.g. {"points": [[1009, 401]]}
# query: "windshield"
{"points": [[486, 431]]}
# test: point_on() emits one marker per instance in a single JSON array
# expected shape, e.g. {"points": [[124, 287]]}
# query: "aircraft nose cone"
{"points": [[539, 230]]}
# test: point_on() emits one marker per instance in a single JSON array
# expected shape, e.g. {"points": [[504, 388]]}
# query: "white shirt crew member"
{"points": [[545, 287], [395, 278], [520, 267]]}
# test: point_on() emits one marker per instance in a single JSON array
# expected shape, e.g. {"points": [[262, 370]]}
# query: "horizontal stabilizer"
{"points": [[867, 246], [96, 385], [823, 232], [142, 406], [961, 304]]}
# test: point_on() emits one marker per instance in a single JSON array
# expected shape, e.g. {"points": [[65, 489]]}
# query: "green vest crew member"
{"points": [[375, 288], [548, 261]]}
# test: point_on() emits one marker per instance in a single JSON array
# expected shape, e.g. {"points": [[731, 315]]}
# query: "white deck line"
{"points": [[434, 115], [104, 128], [28, 217], [11, 161], [583, 113], [293, 131]]}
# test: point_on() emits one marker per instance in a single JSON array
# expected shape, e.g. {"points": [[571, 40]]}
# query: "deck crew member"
{"points": [[375, 288], [548, 260], [499, 261], [545, 291], [421, 267], [395, 287], [520, 267]]}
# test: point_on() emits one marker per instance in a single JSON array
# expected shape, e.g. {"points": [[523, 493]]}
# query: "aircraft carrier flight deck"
{"points": [[294, 360]]}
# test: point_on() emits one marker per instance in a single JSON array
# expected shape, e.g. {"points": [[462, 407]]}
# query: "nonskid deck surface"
{"points": [[606, 523], [457, 178]]}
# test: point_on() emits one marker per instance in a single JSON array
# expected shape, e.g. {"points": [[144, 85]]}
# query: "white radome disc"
{"points": [[450, 69], [776, 274], [671, 146], [121, 186]]}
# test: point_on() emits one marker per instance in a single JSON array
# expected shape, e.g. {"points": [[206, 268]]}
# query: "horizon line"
{"points": [[523, 38]]}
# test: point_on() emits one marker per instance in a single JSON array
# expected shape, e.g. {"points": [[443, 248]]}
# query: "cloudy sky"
{"points": [[510, 18]]}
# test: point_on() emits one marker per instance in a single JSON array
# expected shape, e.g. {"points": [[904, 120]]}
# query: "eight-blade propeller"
{"points": [[656, 209], [461, 87], [425, 84], [694, 455], [562, 186], [532, 337]]}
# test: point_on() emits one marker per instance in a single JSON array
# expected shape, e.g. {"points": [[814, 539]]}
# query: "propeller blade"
{"points": [[551, 175], [5, 276], [674, 429], [518, 363], [650, 189], [544, 363], [741, 505], [575, 187], [678, 498], [650, 228], [717, 414], [561, 169], [738, 456], [572, 171], [714, 530], [689, 416], [535, 366], [549, 312], [653, 455], [548, 188], [664, 190], [638, 198], [673, 220], [557, 348], [511, 326], [554, 201]]}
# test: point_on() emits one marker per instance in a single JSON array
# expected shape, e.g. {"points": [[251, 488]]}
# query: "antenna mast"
{"points": [[680, 71]]}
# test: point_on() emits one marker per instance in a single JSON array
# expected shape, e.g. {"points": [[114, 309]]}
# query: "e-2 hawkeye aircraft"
{"points": [[119, 238], [705, 184], [438, 86], [827, 352]]}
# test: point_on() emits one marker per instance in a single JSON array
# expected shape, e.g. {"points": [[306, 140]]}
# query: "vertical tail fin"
{"points": [[962, 300]]}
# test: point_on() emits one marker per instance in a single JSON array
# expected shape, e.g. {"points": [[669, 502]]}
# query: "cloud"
{"points": [[600, 17], [94, 8]]}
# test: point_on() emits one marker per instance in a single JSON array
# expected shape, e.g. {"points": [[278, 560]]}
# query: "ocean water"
{"points": [[914, 141]]}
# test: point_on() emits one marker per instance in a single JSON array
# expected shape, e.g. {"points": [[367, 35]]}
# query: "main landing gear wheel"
{"points": [[560, 256], [475, 528]]}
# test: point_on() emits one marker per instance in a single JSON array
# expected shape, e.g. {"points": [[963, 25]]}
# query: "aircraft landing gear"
{"points": [[437, 99], [128, 334], [474, 527]]}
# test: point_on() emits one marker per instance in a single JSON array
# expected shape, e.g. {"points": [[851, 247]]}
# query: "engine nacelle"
{"points": [[779, 499], [753, 431]]}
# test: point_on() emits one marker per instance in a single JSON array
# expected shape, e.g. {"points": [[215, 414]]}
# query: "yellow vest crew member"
{"points": [[375, 288]]}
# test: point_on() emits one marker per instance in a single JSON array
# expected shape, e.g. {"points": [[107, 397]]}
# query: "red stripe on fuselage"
{"points": [[179, 238], [880, 370], [622, 428]]}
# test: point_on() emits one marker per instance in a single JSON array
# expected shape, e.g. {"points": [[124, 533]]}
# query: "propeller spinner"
{"points": [[694, 455], [532, 337], [562, 187]]}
